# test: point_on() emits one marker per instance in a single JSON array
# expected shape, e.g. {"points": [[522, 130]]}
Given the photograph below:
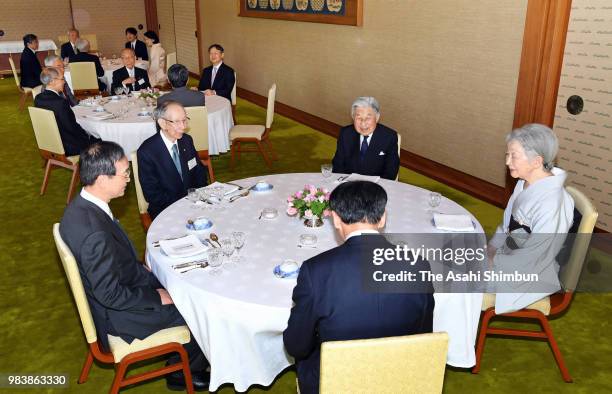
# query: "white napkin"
{"points": [[453, 222], [99, 116], [227, 189], [188, 245], [359, 177]]}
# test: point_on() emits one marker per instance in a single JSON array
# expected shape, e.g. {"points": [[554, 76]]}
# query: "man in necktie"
{"points": [[57, 63], [133, 43], [168, 163], [125, 298], [69, 48], [217, 79], [130, 76], [367, 147]]}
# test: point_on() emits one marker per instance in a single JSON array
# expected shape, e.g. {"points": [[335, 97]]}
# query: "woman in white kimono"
{"points": [[536, 220], [157, 60]]}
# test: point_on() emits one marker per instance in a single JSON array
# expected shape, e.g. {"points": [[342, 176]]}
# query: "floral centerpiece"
{"points": [[311, 204]]}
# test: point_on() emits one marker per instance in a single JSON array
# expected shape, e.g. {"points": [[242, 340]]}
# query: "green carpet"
{"points": [[41, 333]]}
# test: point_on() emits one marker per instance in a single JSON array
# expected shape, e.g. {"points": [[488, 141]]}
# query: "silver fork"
{"points": [[199, 265]]}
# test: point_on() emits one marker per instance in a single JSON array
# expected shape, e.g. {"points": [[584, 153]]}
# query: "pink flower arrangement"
{"points": [[310, 203]]}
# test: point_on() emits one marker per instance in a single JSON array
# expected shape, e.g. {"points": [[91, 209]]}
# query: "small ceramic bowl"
{"points": [[200, 223], [308, 239], [262, 186], [269, 213]]}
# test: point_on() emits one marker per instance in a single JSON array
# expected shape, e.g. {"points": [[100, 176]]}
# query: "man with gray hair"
{"points": [[57, 63], [84, 56], [367, 147], [74, 137], [69, 48], [168, 163]]}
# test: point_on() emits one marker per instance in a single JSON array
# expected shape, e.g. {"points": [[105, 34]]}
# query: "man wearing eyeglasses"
{"points": [[74, 137], [168, 163]]}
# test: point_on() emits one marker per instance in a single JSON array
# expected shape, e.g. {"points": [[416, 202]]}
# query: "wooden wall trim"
{"points": [[199, 34], [151, 15]]}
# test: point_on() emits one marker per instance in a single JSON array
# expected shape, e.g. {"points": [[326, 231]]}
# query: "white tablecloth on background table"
{"points": [[133, 130], [109, 66], [238, 317], [17, 46]]}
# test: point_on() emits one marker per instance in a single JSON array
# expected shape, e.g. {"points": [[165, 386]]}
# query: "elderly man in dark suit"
{"points": [[330, 303], [139, 47], [125, 298], [74, 137], [57, 63], [130, 76], [29, 64], [70, 48], [178, 76], [168, 163], [84, 56], [219, 78], [366, 147]]}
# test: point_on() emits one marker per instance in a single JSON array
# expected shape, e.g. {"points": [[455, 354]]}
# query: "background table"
{"points": [[109, 66], [131, 131], [238, 318]]}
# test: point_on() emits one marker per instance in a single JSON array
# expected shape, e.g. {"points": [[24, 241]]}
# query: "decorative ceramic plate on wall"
{"points": [[288, 4], [263, 4], [334, 5], [301, 4], [275, 4], [317, 5], [252, 3]]}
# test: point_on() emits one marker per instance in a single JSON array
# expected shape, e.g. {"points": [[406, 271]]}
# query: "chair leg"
{"points": [[73, 183], [263, 153], [22, 101], [555, 349], [120, 370], [272, 152], [238, 148], [186, 370], [43, 188], [211, 173], [482, 336], [233, 151], [86, 367]]}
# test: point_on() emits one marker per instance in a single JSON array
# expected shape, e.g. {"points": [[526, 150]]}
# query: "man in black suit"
{"points": [[178, 76], [330, 303], [219, 78], [29, 64], [57, 63], [74, 137], [125, 298], [130, 76], [168, 163], [139, 47], [367, 147], [69, 48], [83, 55]]}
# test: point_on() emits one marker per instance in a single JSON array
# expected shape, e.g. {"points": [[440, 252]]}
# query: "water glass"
{"points": [[193, 196], [215, 260], [238, 237], [326, 170], [219, 192], [434, 200], [118, 90]]}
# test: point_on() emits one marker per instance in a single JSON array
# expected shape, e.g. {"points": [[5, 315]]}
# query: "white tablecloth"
{"points": [[131, 131], [238, 317], [17, 46], [109, 66]]}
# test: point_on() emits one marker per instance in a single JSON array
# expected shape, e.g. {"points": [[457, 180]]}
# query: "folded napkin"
{"points": [[359, 177], [453, 222], [186, 246], [99, 116], [227, 188]]}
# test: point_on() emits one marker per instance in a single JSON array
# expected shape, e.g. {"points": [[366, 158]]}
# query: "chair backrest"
{"points": [[198, 126], [46, 130], [233, 95], [143, 205], [170, 60], [83, 76], [571, 271], [270, 111], [399, 151], [62, 39], [76, 285], [407, 364], [36, 91], [93, 41], [15, 75]]}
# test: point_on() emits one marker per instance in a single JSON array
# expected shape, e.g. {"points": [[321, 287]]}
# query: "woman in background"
{"points": [[157, 60]]}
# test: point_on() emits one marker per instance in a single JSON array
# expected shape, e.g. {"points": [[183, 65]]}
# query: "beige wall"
{"points": [[585, 139], [445, 72], [19, 17], [165, 18], [184, 29]]}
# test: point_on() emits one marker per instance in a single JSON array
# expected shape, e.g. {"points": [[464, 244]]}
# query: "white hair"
{"points": [[365, 102], [82, 45], [537, 140], [48, 74], [49, 60]]}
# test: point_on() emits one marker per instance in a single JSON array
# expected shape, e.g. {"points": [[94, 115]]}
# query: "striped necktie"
{"points": [[176, 160]]}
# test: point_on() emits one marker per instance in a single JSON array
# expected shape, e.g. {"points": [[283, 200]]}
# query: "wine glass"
{"points": [[227, 247], [215, 260], [434, 200], [238, 237], [118, 90], [219, 193], [326, 170], [204, 195], [193, 196], [126, 90]]}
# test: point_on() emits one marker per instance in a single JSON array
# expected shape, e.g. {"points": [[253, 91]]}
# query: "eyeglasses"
{"points": [[181, 121], [126, 174]]}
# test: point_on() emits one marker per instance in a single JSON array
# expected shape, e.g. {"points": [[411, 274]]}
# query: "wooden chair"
{"points": [[143, 205], [552, 305], [24, 91], [51, 149], [258, 134], [405, 364], [122, 354], [233, 96], [170, 60], [198, 130], [36, 91], [84, 79]]}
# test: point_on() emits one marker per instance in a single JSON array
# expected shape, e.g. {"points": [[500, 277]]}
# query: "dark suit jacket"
{"points": [[67, 50], [122, 294], [160, 181], [383, 140], [330, 304], [68, 95], [122, 73], [88, 57], [185, 96], [30, 69], [74, 137], [224, 80], [141, 49]]}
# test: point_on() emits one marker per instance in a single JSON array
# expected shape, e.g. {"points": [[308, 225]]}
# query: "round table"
{"points": [[238, 317], [132, 130], [109, 66]]}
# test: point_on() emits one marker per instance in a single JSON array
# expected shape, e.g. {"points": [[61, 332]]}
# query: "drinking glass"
{"points": [[126, 90], [219, 192], [326, 170], [434, 200], [118, 90], [238, 237], [193, 196], [227, 247], [215, 260]]}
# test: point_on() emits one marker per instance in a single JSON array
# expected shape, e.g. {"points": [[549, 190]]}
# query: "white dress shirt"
{"points": [[360, 232], [361, 137], [168, 143], [95, 200]]}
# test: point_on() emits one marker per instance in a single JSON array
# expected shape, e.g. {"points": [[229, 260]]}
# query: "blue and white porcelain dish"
{"points": [[262, 187], [99, 109], [289, 269], [199, 224]]}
